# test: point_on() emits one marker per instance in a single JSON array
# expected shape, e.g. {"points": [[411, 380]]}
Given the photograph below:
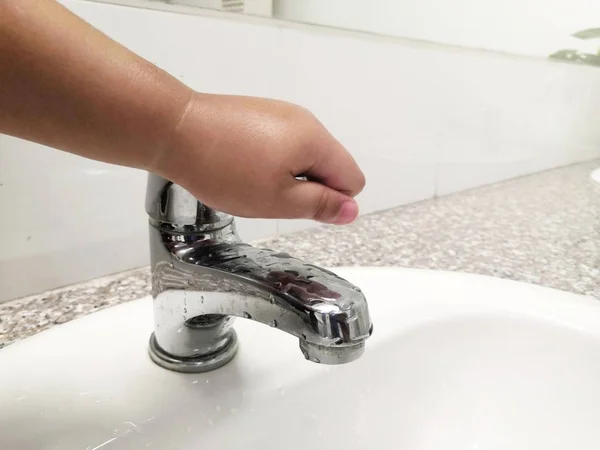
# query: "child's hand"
{"points": [[242, 155]]}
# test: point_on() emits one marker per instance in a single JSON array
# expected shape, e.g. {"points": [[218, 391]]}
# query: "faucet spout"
{"points": [[203, 276]]}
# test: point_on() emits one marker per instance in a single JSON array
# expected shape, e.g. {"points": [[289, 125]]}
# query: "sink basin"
{"points": [[456, 362]]}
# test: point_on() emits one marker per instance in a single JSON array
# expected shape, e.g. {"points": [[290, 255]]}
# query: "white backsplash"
{"points": [[422, 120]]}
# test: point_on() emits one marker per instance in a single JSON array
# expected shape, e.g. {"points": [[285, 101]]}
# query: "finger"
{"points": [[335, 167], [312, 200]]}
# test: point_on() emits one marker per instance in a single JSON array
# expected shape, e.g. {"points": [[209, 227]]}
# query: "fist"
{"points": [[262, 158]]}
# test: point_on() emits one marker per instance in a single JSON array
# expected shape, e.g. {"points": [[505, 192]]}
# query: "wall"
{"points": [[528, 27], [421, 120]]}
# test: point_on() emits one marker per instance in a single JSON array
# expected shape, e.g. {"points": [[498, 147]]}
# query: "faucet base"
{"points": [[204, 363]]}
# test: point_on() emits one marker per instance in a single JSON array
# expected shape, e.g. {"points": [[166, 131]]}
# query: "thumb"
{"points": [[313, 200]]}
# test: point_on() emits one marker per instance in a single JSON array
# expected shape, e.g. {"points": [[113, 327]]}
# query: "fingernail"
{"points": [[348, 213]]}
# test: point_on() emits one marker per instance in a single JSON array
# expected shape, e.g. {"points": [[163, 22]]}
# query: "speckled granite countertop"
{"points": [[543, 229]]}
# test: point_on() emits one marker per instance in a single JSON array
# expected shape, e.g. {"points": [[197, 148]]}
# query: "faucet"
{"points": [[203, 276]]}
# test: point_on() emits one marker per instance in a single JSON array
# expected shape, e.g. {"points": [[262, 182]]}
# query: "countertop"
{"points": [[542, 229]]}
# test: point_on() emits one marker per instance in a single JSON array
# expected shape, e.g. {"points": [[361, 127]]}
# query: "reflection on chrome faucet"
{"points": [[203, 276]]}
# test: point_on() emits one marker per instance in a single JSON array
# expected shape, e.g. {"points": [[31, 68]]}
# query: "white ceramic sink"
{"points": [[456, 362]]}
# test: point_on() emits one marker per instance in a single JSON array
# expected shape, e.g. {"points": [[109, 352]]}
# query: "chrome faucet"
{"points": [[203, 276]]}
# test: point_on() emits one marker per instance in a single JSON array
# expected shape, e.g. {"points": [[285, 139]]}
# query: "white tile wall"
{"points": [[420, 119]]}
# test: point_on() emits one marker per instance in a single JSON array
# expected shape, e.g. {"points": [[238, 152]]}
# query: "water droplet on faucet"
{"points": [[273, 323], [247, 315]]}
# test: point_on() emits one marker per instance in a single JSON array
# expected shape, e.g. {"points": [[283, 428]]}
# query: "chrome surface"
{"points": [[203, 276]]}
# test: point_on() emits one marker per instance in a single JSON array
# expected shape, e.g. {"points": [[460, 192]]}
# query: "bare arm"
{"points": [[68, 86]]}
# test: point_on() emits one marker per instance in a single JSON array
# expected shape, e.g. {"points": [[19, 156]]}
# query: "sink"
{"points": [[456, 362]]}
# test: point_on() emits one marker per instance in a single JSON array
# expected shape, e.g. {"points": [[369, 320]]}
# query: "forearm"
{"points": [[66, 85]]}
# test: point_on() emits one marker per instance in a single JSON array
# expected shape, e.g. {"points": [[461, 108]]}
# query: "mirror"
{"points": [[566, 30]]}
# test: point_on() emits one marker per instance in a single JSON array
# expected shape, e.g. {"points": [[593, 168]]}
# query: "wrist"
{"points": [[185, 140], [171, 105]]}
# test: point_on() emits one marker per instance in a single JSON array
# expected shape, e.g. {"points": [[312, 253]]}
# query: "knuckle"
{"points": [[321, 206]]}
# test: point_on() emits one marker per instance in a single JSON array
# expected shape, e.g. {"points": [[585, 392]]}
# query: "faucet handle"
{"points": [[169, 203]]}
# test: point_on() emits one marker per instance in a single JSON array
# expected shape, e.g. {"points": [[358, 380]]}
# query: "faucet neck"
{"points": [[173, 207]]}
